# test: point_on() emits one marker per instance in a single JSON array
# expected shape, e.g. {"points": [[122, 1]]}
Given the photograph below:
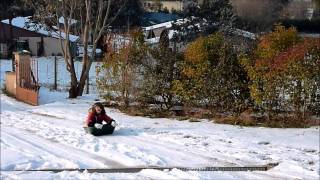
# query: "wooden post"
{"points": [[23, 68], [13, 63], [88, 83], [55, 73]]}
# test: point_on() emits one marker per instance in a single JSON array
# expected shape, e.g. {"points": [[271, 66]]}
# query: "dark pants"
{"points": [[106, 129]]}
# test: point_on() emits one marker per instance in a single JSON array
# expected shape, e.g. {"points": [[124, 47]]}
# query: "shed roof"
{"points": [[25, 23]]}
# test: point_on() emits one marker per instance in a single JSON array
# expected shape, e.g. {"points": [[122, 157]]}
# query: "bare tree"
{"points": [[95, 25], [95, 15]]}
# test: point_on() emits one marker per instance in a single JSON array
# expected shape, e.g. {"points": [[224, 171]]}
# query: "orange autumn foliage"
{"points": [[296, 53], [284, 72]]}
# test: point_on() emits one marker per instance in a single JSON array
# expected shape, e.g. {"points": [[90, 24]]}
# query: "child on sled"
{"points": [[94, 122]]}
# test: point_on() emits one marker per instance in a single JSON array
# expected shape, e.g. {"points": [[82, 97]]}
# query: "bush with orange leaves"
{"points": [[284, 72]]}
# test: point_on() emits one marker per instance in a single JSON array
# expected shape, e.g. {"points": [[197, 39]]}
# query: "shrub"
{"points": [[211, 76], [284, 74]]}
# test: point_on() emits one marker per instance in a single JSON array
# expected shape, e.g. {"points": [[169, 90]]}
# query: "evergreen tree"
{"points": [[216, 12], [130, 14]]}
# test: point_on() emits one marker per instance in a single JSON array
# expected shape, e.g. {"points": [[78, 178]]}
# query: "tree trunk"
{"points": [[85, 71], [86, 60], [84, 75], [82, 82], [73, 91]]}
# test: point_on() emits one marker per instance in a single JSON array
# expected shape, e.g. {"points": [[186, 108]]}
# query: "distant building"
{"points": [[300, 9], [161, 5], [152, 25], [294, 9], [33, 37]]}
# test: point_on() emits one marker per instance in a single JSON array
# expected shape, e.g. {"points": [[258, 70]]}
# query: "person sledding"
{"points": [[98, 122]]}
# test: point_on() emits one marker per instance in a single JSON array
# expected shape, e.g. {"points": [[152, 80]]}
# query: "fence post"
{"points": [[13, 63], [88, 84], [55, 73]]}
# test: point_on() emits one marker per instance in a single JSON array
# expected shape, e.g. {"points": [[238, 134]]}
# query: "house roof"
{"points": [[152, 18], [25, 23]]}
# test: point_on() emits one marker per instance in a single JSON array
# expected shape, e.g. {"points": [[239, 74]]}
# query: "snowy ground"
{"points": [[51, 136]]}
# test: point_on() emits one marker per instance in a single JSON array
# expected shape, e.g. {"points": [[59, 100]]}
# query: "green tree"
{"points": [[212, 76]]}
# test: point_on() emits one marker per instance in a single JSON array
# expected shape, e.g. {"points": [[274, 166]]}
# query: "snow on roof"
{"points": [[71, 21], [25, 23], [244, 33], [166, 24], [169, 23]]}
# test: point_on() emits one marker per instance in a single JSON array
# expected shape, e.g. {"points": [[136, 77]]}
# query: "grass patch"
{"points": [[194, 120], [275, 122], [146, 112], [235, 121], [248, 118], [182, 118]]}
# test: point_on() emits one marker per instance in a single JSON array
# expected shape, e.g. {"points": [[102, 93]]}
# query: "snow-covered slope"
{"points": [[51, 136]]}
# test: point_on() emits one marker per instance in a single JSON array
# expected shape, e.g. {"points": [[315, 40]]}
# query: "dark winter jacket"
{"points": [[97, 118]]}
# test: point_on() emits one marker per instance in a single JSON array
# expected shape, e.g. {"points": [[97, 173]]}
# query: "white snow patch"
{"points": [[51, 136]]}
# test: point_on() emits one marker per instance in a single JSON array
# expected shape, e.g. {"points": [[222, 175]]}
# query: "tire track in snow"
{"points": [[31, 157], [204, 152], [182, 154], [193, 153], [164, 151], [133, 151], [82, 158], [50, 128], [213, 157], [55, 132], [230, 153], [141, 148]]}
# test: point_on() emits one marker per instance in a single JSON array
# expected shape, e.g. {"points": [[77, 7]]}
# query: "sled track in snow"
{"points": [[138, 169], [227, 161], [57, 149]]}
